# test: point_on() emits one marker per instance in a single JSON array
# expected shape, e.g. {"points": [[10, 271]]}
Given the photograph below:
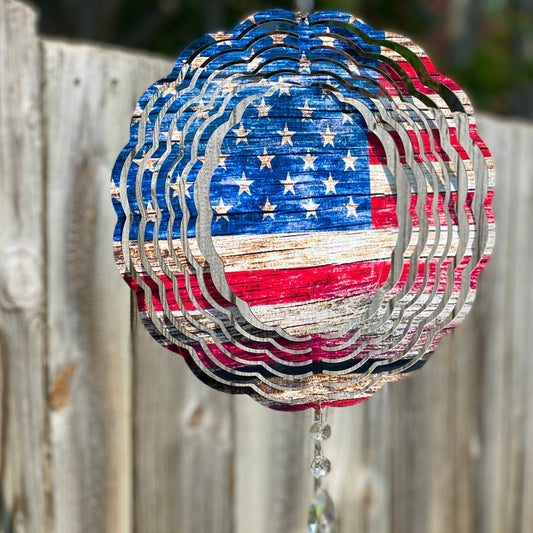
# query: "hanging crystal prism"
{"points": [[322, 514], [322, 517]]}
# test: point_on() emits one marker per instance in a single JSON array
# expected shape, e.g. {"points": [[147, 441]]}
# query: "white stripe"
{"points": [[296, 250], [383, 184]]}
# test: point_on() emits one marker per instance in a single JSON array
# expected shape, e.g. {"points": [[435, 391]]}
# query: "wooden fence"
{"points": [[103, 431]]}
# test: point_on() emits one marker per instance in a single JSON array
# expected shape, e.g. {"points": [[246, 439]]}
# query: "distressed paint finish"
{"points": [[448, 449], [303, 208]]}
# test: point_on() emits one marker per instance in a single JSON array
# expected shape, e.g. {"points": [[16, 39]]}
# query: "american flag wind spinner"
{"points": [[303, 212]]}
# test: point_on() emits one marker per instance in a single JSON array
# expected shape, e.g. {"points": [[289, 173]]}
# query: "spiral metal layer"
{"points": [[303, 208]]}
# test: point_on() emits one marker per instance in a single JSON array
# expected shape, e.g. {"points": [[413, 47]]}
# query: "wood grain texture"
{"points": [[23, 428], [183, 444], [505, 327], [393, 116], [138, 444], [273, 487], [449, 448], [88, 95]]}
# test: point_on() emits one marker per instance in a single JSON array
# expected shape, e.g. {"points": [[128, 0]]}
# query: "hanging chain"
{"points": [[322, 517]]}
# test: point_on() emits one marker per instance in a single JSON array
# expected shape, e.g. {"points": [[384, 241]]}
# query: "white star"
{"points": [[353, 68], [115, 191], [198, 62], [328, 137], [268, 209], [249, 56], [347, 117], [220, 37], [286, 135], [152, 163], [302, 17], [266, 160], [349, 161], [288, 184], [278, 38], [284, 88], [326, 91], [241, 134], [221, 160], [228, 86], [327, 40], [244, 184], [311, 208], [309, 160], [330, 184], [221, 210], [304, 63], [254, 63], [306, 111], [150, 211], [200, 106], [263, 109], [351, 206], [175, 135], [176, 188]]}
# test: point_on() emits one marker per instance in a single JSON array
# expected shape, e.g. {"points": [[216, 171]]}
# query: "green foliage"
{"points": [[491, 57]]}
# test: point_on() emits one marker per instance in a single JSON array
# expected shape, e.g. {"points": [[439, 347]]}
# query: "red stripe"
{"points": [[384, 210], [408, 69], [474, 135], [321, 405], [389, 89], [235, 358], [377, 155], [282, 286]]}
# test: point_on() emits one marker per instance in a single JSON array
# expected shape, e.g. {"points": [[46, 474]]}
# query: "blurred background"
{"points": [[102, 430], [485, 45]]}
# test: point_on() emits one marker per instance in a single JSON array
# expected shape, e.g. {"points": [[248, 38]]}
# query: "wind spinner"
{"points": [[303, 212]]}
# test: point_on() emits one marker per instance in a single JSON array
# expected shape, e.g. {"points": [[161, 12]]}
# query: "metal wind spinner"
{"points": [[303, 212]]}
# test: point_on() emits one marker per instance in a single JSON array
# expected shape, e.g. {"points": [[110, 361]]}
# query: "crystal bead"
{"points": [[320, 466], [319, 431], [322, 514]]}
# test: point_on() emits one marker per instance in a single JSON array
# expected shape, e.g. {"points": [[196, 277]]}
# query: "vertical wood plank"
{"points": [[501, 305], [360, 453], [522, 409], [519, 494], [89, 94], [272, 458], [141, 446], [507, 330], [23, 428], [449, 448], [183, 443]]}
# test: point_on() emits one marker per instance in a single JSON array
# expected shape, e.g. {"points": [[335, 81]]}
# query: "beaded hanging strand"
{"points": [[322, 518]]}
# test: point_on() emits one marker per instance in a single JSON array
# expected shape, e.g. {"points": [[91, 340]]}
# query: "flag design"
{"points": [[303, 208]]}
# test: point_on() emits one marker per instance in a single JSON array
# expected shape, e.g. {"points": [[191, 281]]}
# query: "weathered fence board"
{"points": [[88, 311], [183, 443], [23, 428], [273, 486], [504, 321], [103, 430]]}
